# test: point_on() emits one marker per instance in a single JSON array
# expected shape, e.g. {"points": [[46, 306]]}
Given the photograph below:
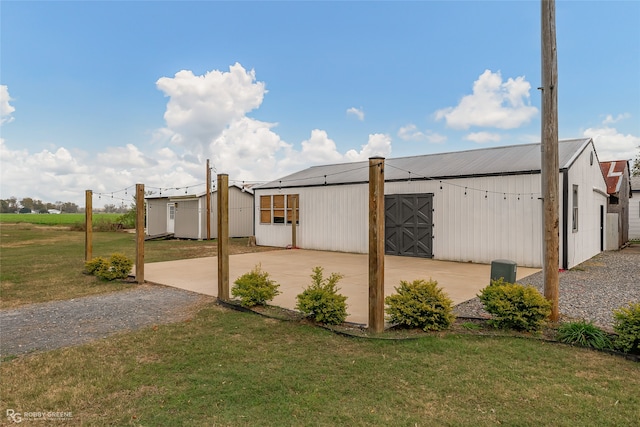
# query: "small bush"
{"points": [[627, 326], [128, 219], [321, 301], [95, 264], [585, 334], [104, 225], [515, 306], [420, 304], [255, 288], [117, 267]]}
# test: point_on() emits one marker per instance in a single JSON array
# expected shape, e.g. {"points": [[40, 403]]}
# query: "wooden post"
{"points": [[294, 219], [550, 168], [376, 244], [208, 201], [140, 233], [223, 237], [88, 225]]}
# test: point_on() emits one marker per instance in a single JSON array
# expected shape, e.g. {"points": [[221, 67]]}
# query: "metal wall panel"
{"points": [[187, 217], [485, 218], [585, 242], [157, 216], [333, 218]]}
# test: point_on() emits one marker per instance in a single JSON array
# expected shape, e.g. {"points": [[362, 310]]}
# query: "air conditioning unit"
{"points": [[505, 269]]}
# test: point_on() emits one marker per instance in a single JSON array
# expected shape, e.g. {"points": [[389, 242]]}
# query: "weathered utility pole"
{"points": [[376, 244], [208, 201], [140, 233], [223, 237], [550, 168]]}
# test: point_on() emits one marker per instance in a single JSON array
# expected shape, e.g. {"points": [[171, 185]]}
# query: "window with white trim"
{"points": [[575, 208]]}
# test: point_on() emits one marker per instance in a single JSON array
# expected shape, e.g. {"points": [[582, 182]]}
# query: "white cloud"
{"points": [[482, 137], [357, 112], [410, 132], [6, 109], [201, 107], [610, 119], [126, 157], [611, 144], [492, 104], [377, 145], [206, 118]]}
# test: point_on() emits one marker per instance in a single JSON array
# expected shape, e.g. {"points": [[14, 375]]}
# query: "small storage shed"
{"points": [[186, 216], [469, 206], [617, 177], [634, 209]]}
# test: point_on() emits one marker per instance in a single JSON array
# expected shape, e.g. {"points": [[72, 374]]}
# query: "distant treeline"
{"points": [[29, 205]]}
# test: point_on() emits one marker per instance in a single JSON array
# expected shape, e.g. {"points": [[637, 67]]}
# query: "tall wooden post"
{"points": [[208, 201], [140, 233], [550, 168], [294, 219], [88, 225], [223, 237], [376, 244]]}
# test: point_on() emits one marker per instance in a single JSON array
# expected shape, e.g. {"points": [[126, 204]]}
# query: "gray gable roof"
{"points": [[507, 160]]}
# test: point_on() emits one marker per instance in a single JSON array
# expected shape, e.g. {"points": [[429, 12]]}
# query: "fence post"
{"points": [[376, 244], [88, 225], [223, 237]]}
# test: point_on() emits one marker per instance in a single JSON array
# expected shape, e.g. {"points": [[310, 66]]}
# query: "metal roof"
{"points": [[506, 160], [613, 173]]}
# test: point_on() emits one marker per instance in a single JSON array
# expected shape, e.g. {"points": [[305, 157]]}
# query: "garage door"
{"points": [[408, 225]]}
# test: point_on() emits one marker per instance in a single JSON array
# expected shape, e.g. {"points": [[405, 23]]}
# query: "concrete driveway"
{"points": [[292, 270]]}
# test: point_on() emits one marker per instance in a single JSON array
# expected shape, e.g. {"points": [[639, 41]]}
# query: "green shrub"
{"points": [[515, 306], [255, 288], [420, 304], [321, 300], [627, 326], [95, 264], [128, 219], [585, 334], [117, 267]]}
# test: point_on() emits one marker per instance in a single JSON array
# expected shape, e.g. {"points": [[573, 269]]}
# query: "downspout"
{"points": [[565, 219]]}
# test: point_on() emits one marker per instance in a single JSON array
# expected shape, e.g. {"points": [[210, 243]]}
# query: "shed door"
{"points": [[408, 225], [171, 217]]}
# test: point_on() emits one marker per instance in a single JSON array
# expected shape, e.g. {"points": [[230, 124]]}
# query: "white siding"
{"points": [[499, 217], [505, 224], [585, 243], [186, 224], [240, 214], [634, 216], [157, 216], [333, 218]]}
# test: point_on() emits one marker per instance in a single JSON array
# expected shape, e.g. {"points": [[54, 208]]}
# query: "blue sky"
{"points": [[103, 95]]}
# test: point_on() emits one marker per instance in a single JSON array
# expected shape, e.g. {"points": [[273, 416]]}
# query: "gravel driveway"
{"points": [[590, 291], [51, 325]]}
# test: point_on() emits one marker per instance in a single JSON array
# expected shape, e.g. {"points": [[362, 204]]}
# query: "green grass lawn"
{"points": [[223, 367], [54, 219], [45, 263], [228, 368]]}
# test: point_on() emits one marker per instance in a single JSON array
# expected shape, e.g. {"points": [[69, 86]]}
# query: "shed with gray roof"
{"points": [[468, 206]]}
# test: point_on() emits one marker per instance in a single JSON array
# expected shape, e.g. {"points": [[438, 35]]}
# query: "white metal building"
{"points": [[468, 206], [634, 209], [186, 216]]}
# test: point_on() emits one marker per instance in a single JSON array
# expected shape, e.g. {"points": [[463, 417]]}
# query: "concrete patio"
{"points": [[292, 270]]}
